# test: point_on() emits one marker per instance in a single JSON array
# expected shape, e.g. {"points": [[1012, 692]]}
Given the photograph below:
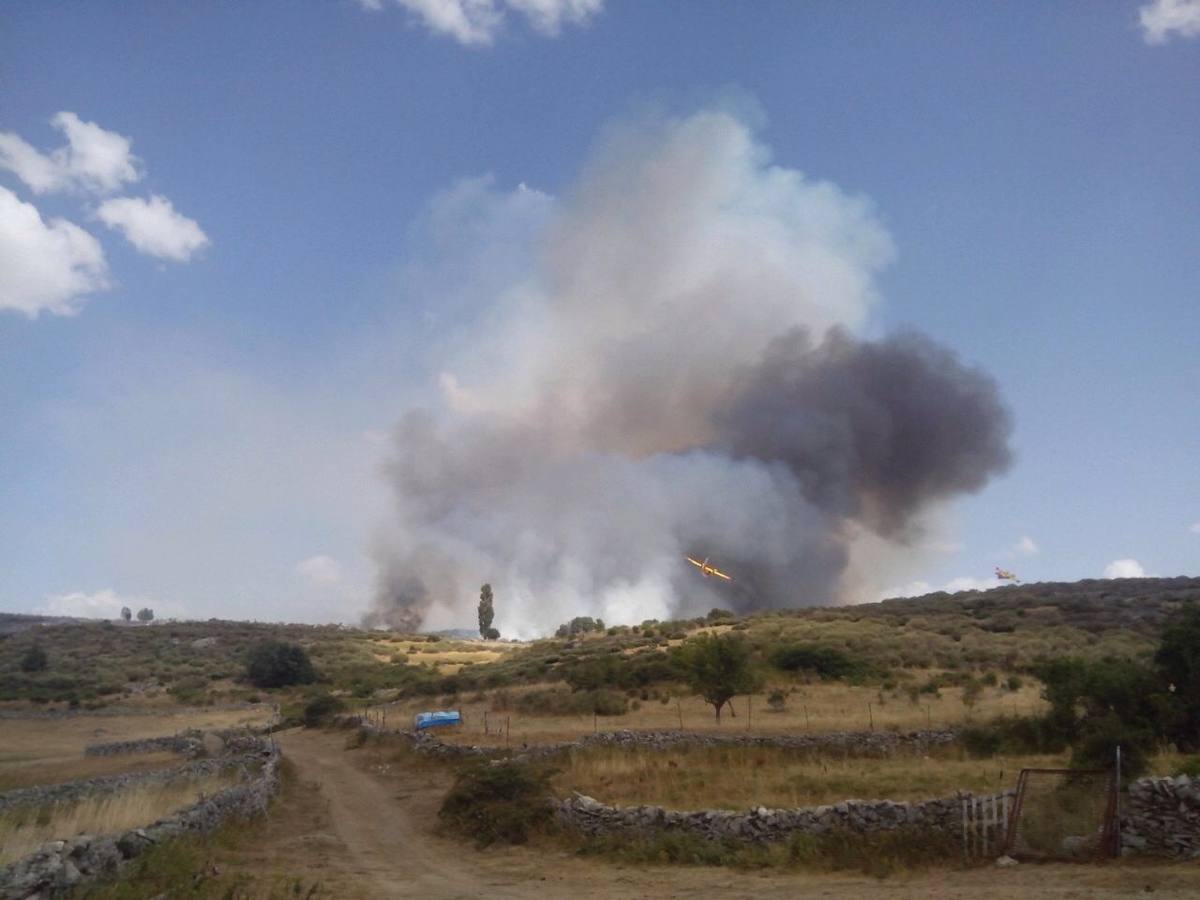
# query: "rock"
{"points": [[213, 744], [1006, 861]]}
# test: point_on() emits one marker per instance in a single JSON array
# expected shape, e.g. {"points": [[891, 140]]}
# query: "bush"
{"points": [[824, 661], [321, 708], [34, 660], [777, 701], [273, 664], [1096, 746], [551, 702], [1190, 767], [1016, 736], [506, 802]]}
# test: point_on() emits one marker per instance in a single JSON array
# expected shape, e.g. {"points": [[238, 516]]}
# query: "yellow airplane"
{"points": [[706, 569], [1005, 575]]}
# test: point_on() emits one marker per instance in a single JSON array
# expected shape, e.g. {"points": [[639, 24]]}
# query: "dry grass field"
{"points": [[740, 778], [47, 751], [816, 707], [24, 829]]}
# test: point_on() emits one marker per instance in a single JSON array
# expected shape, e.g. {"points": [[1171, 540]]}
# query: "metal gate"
{"points": [[1063, 814]]}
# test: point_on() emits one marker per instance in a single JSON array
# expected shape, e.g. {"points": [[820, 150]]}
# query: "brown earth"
{"points": [[361, 826]]}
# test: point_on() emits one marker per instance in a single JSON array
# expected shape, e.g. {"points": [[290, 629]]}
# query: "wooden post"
{"points": [[595, 722], [679, 709], [749, 710], [928, 718], [507, 722], [963, 808], [870, 716], [485, 724], [807, 724]]}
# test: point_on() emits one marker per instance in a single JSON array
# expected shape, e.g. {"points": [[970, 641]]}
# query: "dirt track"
{"points": [[365, 833]]}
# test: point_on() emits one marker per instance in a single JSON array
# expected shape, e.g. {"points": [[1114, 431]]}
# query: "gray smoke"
{"points": [[673, 371]]}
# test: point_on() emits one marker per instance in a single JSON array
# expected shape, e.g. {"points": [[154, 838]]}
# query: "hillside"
{"points": [[1008, 629]]}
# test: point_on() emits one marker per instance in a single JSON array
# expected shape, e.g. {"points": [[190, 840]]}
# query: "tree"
{"points": [[126, 613], [34, 660], [145, 614], [487, 612], [579, 625], [1178, 665], [1100, 704], [279, 664], [718, 668]]}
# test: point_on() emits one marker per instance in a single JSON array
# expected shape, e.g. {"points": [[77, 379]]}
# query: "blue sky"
{"points": [[203, 429]]}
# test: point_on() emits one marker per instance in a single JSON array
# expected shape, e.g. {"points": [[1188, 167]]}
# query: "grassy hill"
{"points": [[1005, 630]]}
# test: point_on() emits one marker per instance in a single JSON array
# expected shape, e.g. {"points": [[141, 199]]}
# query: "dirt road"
{"points": [[364, 828]]}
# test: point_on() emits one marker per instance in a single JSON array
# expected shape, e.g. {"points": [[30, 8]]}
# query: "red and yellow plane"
{"points": [[1005, 575], [706, 569]]}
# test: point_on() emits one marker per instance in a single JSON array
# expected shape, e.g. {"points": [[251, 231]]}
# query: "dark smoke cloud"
{"points": [[873, 431], [674, 372]]}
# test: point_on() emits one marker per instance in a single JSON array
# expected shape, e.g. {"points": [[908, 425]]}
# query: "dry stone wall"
{"points": [[762, 825], [1161, 817], [850, 743], [61, 864]]}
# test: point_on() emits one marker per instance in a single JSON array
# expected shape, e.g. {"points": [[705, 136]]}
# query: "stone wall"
{"points": [[850, 743], [60, 864], [1161, 817], [188, 743], [762, 825]]}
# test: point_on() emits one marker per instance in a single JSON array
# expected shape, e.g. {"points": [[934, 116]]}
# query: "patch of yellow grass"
{"points": [[741, 777], [24, 829]]}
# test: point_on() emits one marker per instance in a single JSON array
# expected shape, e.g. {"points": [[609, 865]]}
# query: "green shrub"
{"points": [[320, 708], [824, 661], [558, 702], [1095, 748], [504, 802], [34, 660], [273, 664], [1190, 767], [777, 700]]}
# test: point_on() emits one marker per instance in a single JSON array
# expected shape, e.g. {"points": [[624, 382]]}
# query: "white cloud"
{"points": [[1194, 528], [153, 226], [1025, 546], [1163, 17], [45, 267], [1124, 568], [476, 22], [104, 604], [93, 159], [320, 570]]}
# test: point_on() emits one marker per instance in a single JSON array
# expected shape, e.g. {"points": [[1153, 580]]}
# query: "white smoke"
{"points": [[623, 398]]}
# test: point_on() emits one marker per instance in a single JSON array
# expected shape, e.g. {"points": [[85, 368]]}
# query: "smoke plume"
{"points": [[672, 369]]}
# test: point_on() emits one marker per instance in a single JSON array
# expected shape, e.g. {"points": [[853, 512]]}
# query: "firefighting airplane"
{"points": [[706, 569], [1005, 575]]}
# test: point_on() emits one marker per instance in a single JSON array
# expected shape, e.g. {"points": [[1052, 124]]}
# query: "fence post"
{"points": [[962, 803], [749, 711], [870, 715], [1117, 809], [679, 709]]}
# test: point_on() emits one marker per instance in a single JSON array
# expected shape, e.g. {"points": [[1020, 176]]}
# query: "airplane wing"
{"points": [[719, 573]]}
